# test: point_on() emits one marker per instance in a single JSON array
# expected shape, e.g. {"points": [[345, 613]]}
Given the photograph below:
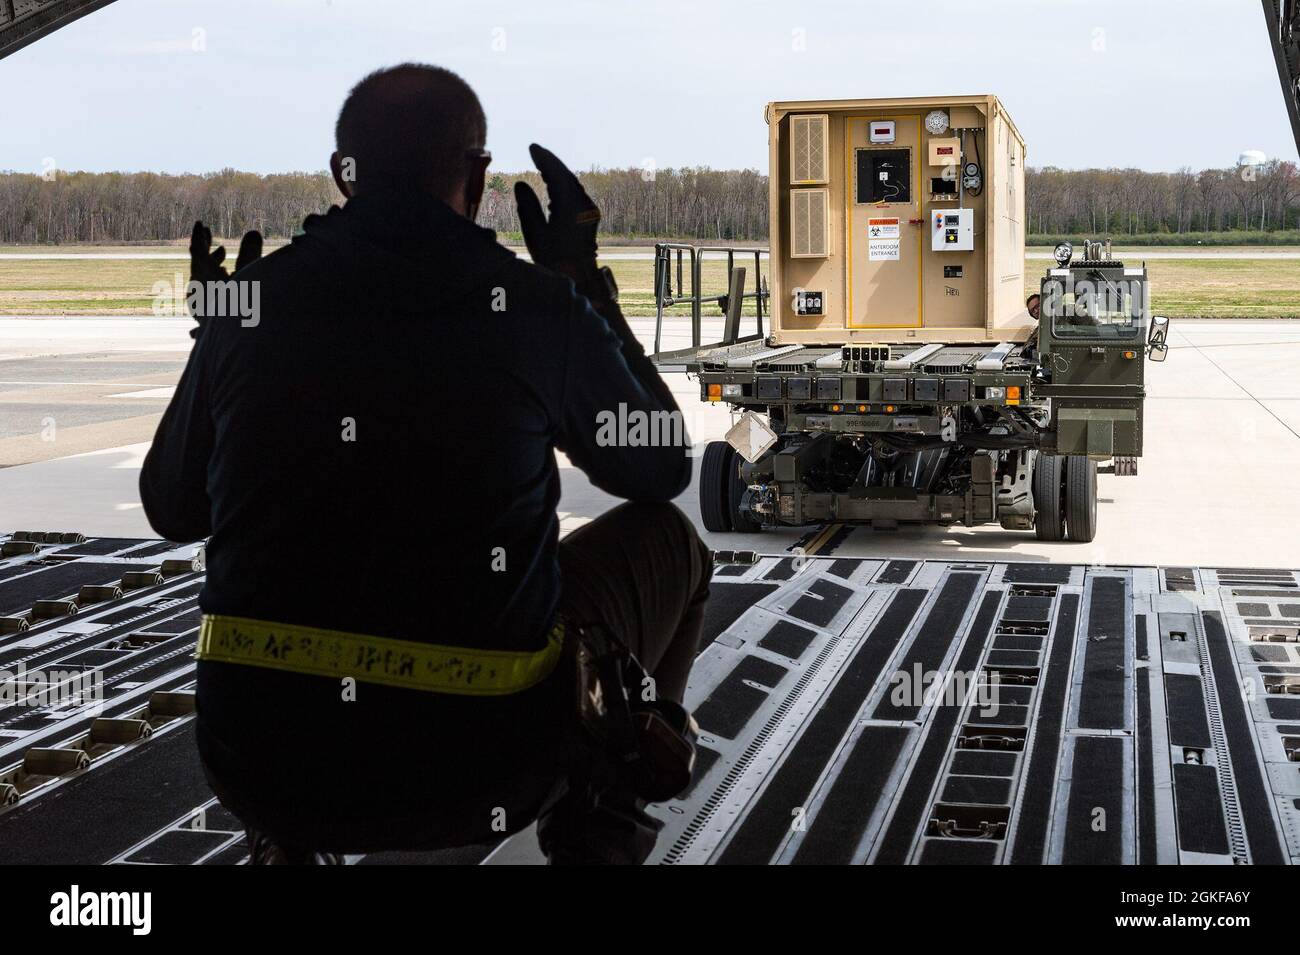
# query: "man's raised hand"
{"points": [[206, 263], [566, 242]]}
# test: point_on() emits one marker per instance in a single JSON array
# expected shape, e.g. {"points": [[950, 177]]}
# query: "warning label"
{"points": [[882, 228], [882, 250]]}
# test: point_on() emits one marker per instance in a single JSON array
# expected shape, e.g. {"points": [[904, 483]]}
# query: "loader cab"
{"points": [[1093, 325], [1093, 321]]}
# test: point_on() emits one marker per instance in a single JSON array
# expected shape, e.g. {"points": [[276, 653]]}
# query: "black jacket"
{"points": [[363, 458]]}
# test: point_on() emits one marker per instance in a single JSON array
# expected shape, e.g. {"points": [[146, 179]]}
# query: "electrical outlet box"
{"points": [[945, 152], [952, 230]]}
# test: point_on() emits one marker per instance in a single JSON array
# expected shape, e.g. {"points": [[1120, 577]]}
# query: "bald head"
{"points": [[411, 127]]}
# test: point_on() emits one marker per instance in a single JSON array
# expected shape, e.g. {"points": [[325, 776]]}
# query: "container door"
{"points": [[883, 217]]}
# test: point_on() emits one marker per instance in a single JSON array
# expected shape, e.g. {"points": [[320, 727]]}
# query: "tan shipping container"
{"points": [[875, 237]]}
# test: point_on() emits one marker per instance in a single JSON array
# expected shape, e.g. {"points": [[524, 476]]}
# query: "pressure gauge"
{"points": [[1063, 253], [936, 121]]}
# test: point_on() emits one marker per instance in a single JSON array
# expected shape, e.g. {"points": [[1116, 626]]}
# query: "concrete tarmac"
{"points": [[1216, 487]]}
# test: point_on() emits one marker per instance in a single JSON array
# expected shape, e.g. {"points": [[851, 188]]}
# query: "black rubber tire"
{"points": [[715, 487], [1049, 515], [1080, 498], [740, 523]]}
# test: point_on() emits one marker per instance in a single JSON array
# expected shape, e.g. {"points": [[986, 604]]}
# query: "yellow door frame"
{"points": [[849, 203]]}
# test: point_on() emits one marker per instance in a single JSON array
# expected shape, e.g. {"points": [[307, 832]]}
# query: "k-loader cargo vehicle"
{"points": [[905, 378]]}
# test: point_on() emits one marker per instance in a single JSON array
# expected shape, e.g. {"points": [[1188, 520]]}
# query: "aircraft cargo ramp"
{"points": [[1079, 714]]}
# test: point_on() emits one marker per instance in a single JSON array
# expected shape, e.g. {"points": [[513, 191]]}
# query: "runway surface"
{"points": [[1221, 433]]}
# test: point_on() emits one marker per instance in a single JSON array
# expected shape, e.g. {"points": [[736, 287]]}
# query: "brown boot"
{"points": [[263, 851], [598, 827]]}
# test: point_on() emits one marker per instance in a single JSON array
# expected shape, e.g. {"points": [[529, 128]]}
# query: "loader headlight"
{"points": [[995, 391], [733, 391]]}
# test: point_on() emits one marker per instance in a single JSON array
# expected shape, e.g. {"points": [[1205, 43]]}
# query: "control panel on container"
{"points": [[952, 230]]}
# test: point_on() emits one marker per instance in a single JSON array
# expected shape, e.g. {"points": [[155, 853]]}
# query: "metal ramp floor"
{"points": [[853, 711]]}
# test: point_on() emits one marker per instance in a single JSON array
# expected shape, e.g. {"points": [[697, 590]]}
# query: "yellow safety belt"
{"points": [[401, 663]]}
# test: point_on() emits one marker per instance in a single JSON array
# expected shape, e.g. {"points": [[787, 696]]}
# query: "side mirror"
{"points": [[1156, 347]]}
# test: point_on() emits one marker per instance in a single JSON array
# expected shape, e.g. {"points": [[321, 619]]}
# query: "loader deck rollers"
{"points": [[1167, 697]]}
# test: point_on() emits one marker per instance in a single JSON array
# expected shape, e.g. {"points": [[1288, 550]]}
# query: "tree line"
{"points": [[65, 207], [1131, 202], [689, 203]]}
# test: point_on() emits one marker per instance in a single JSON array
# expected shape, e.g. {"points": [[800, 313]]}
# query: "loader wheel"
{"points": [[1080, 498], [715, 487], [741, 523], [1049, 517]]}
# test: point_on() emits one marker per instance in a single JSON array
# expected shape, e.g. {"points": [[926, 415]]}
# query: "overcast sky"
{"points": [[196, 85]]}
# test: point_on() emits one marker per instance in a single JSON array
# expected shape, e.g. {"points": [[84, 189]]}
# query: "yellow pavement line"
{"points": [[822, 538]]}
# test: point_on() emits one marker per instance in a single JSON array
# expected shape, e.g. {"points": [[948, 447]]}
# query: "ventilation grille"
{"points": [[951, 361], [808, 149], [799, 361], [809, 226]]}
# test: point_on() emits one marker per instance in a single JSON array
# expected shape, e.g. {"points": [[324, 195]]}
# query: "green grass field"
{"points": [[1201, 287]]}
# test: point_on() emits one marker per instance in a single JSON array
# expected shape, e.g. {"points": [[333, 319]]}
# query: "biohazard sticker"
{"points": [[882, 250], [882, 228]]}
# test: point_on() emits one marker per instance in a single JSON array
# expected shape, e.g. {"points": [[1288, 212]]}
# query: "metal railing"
{"points": [[668, 293]]}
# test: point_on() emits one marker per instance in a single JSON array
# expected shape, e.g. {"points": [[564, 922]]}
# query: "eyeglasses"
{"points": [[479, 154]]}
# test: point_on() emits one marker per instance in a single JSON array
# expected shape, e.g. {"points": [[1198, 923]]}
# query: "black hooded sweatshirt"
{"points": [[365, 457]]}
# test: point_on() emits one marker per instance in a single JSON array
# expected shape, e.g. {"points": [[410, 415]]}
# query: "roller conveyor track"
{"points": [[1129, 721], [1141, 715]]}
